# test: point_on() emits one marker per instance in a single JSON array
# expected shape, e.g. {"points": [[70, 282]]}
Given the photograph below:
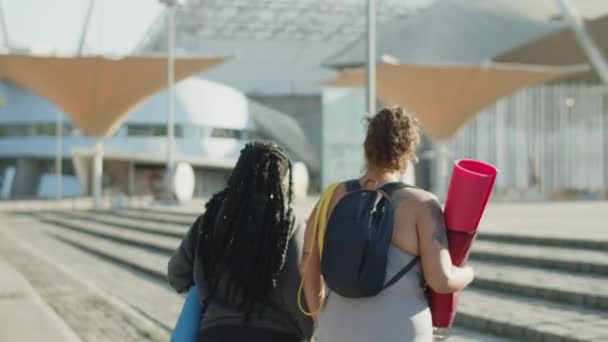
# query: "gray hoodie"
{"points": [[185, 270]]}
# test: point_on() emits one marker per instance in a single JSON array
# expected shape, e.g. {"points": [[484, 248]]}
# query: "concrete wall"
{"points": [[547, 141]]}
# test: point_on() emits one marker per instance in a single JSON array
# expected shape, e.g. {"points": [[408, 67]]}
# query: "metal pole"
{"points": [[170, 99], [59, 156], [85, 29], [584, 39], [5, 36], [371, 57]]}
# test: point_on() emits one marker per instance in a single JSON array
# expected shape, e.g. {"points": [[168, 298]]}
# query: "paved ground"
{"points": [[586, 219], [527, 288], [24, 316], [86, 310]]}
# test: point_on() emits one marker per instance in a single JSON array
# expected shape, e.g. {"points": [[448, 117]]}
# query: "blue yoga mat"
{"points": [[187, 326]]}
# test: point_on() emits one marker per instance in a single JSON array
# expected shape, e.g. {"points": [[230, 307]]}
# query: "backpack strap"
{"points": [[401, 273], [352, 185], [390, 188]]}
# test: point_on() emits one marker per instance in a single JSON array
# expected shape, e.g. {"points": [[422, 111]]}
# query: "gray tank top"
{"points": [[399, 313]]}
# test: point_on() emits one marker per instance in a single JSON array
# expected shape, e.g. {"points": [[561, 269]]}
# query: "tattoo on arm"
{"points": [[439, 233]]}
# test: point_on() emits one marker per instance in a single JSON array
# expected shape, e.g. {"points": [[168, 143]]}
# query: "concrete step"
{"points": [[559, 258], [519, 289], [141, 260], [530, 320], [142, 292], [546, 239], [140, 225], [460, 334], [194, 209], [153, 265], [557, 286], [568, 259], [153, 216], [160, 244], [174, 212], [520, 236]]}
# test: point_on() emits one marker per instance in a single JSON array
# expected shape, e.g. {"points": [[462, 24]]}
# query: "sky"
{"points": [[55, 26]]}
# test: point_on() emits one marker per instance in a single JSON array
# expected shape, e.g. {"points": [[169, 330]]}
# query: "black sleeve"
{"points": [[179, 270]]}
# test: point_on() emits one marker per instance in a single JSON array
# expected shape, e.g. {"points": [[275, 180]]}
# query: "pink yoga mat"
{"points": [[470, 189]]}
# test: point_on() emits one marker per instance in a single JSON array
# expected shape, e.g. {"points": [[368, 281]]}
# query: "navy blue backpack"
{"points": [[358, 236]]}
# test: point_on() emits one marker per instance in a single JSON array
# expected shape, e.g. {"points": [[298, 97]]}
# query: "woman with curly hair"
{"points": [[400, 312], [243, 254]]}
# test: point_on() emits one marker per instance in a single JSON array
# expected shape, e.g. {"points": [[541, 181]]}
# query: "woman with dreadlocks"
{"points": [[243, 254]]}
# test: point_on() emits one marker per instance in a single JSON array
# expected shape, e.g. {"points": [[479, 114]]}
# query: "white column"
{"points": [[170, 100], [3, 26], [59, 156], [97, 172]]}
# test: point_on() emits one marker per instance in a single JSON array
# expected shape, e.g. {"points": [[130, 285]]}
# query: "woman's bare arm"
{"points": [[439, 272]]}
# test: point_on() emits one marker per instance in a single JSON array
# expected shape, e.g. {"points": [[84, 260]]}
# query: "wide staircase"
{"points": [[528, 287]]}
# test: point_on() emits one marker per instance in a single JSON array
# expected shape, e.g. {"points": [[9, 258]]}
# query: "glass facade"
{"points": [[193, 132], [46, 129]]}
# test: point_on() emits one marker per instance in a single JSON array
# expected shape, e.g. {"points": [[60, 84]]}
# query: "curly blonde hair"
{"points": [[392, 138]]}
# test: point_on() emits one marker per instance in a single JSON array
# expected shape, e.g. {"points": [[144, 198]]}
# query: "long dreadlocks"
{"points": [[245, 229]]}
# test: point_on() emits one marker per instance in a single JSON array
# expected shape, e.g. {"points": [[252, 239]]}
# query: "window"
{"points": [[45, 130], [146, 130], [139, 130], [161, 131], [193, 132], [227, 133], [14, 130], [48, 129]]}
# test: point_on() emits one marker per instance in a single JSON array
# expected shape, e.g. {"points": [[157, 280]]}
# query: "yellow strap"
{"points": [[322, 215], [319, 226]]}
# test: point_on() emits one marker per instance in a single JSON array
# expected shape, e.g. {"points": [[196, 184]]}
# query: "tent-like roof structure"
{"points": [[464, 31], [560, 48], [97, 92], [445, 97], [442, 60]]}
